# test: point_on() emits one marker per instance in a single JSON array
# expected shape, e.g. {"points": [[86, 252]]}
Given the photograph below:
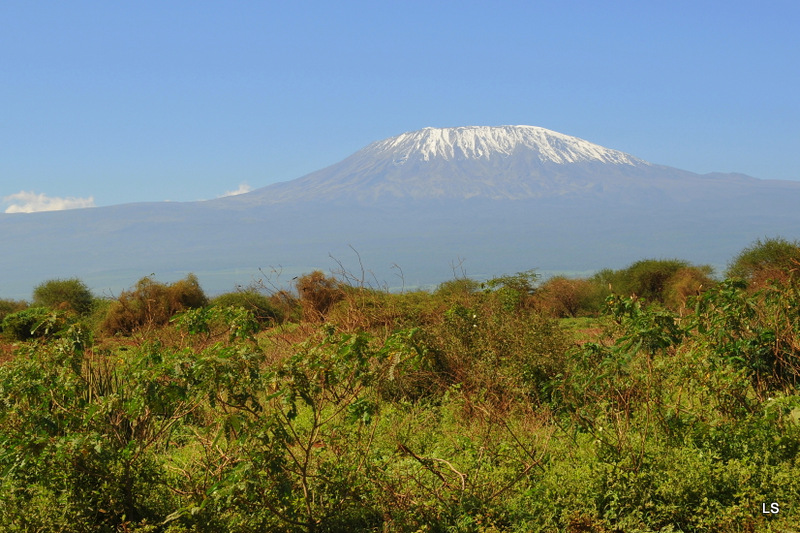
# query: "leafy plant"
{"points": [[29, 323], [10, 306], [454, 410]]}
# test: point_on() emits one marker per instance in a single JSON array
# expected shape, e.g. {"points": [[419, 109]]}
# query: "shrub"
{"points": [[667, 281], [474, 414], [65, 294], [11, 306], [318, 293], [26, 324], [455, 288], [286, 304], [562, 297], [152, 303], [495, 351], [755, 332], [513, 291], [687, 282], [253, 301], [649, 278], [774, 258]]}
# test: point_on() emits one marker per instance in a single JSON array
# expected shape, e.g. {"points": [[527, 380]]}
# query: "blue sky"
{"points": [[114, 102]]}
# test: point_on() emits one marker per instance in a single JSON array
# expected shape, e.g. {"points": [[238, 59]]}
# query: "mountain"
{"points": [[507, 162], [500, 199], [495, 163]]}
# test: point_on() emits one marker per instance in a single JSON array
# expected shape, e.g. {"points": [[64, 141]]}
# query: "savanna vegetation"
{"points": [[653, 398]]}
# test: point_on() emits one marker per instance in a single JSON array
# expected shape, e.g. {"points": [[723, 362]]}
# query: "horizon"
{"points": [[112, 104]]}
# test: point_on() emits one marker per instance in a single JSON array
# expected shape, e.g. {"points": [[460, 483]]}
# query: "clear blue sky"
{"points": [[153, 101]]}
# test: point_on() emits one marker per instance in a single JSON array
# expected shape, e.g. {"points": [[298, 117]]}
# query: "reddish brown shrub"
{"points": [[152, 303], [317, 294], [685, 283], [561, 297]]}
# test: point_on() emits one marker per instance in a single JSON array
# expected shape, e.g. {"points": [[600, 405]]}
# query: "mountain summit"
{"points": [[484, 142], [492, 163]]}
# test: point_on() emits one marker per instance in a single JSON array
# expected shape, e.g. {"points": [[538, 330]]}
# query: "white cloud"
{"points": [[30, 202], [243, 188]]}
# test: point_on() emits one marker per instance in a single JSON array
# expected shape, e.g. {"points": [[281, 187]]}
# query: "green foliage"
{"points": [[30, 323], [236, 322], [652, 328], [65, 294], [667, 281], [647, 278], [10, 306], [756, 332], [766, 259], [258, 304], [458, 410], [687, 283], [457, 288], [83, 433], [495, 350], [514, 291]]}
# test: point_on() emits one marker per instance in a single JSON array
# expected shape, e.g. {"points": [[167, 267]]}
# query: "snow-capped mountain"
{"points": [[484, 142], [505, 162]]}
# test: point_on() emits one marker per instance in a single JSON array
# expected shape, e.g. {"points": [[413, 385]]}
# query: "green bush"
{"points": [[65, 294], [255, 302], [756, 332], [667, 281], [495, 350], [513, 291], [469, 411], [687, 283], [83, 435], [457, 288], [649, 278], [26, 324], [774, 258], [10, 306]]}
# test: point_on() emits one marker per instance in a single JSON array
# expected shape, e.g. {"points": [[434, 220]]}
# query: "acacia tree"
{"points": [[72, 294], [768, 259]]}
